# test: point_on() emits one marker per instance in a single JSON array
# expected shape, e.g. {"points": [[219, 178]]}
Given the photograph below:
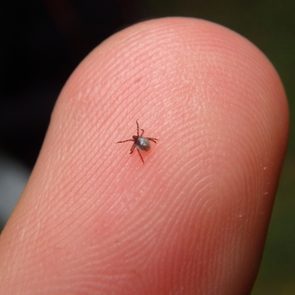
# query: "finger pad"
{"points": [[186, 219]]}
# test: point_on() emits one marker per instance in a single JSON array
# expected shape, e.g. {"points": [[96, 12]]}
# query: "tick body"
{"points": [[140, 142]]}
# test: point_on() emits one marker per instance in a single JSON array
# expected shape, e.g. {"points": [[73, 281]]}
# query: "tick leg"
{"points": [[142, 132], [140, 156], [124, 140], [137, 127], [152, 139], [132, 148]]}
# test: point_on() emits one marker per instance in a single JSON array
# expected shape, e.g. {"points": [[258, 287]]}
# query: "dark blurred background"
{"points": [[43, 41]]}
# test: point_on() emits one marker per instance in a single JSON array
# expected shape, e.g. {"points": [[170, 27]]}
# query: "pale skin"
{"points": [[193, 219]]}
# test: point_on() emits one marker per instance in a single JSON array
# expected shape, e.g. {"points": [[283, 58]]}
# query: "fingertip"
{"points": [[193, 218]]}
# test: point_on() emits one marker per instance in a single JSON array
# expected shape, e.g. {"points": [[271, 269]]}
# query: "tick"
{"points": [[140, 142]]}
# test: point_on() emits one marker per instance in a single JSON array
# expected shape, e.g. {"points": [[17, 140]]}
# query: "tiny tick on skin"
{"points": [[140, 142]]}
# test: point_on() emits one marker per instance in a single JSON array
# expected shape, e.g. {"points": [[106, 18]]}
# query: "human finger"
{"points": [[192, 220]]}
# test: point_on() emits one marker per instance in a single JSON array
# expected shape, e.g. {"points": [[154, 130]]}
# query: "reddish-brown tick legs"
{"points": [[137, 127], [140, 142], [140, 155], [152, 139], [132, 148]]}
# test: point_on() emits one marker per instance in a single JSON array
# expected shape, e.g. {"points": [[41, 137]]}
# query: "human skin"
{"points": [[192, 219]]}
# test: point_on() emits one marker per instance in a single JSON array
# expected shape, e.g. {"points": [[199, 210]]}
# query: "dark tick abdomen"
{"points": [[143, 143]]}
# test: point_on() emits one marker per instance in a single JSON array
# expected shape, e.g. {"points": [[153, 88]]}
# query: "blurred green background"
{"points": [[271, 26], [43, 41]]}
